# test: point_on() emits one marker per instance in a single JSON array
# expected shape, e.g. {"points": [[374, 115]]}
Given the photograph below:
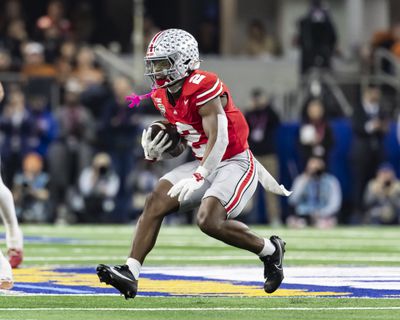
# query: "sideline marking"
{"points": [[217, 281]]}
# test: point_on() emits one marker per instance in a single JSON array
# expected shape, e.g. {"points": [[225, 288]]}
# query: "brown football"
{"points": [[176, 147]]}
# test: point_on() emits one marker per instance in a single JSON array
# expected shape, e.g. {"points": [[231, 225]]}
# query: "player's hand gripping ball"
{"points": [[161, 139]]}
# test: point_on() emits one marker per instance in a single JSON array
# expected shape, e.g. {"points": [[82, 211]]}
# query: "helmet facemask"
{"points": [[163, 70]]}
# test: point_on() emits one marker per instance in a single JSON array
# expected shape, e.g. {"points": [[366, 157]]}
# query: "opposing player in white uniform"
{"points": [[220, 182], [14, 239]]}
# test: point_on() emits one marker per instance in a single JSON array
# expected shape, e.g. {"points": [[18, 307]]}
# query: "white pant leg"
{"points": [[14, 238]]}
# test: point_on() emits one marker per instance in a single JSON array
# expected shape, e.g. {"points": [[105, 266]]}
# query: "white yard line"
{"points": [[336, 258], [206, 309]]}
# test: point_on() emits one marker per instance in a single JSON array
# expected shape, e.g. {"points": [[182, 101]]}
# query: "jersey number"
{"points": [[192, 137], [197, 78]]}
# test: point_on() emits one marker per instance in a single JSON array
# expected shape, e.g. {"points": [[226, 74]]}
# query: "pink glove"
{"points": [[135, 99]]}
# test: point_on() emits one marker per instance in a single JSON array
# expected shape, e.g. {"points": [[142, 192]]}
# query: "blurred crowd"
{"points": [[70, 150], [67, 159], [318, 198]]}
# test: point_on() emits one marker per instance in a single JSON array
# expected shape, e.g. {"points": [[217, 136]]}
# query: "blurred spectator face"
{"points": [[386, 174], [315, 166], [38, 103], [33, 53], [259, 99], [16, 98], [68, 50], [16, 30], [55, 10], [32, 164], [121, 88], [315, 110], [5, 60], [372, 95], [85, 57]]}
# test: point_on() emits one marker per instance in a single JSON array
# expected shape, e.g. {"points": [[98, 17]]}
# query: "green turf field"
{"points": [[346, 273]]}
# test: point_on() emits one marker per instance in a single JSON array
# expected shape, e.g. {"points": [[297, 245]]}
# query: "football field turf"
{"points": [[345, 273]]}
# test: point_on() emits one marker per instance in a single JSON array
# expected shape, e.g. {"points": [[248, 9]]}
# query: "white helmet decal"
{"points": [[178, 47]]}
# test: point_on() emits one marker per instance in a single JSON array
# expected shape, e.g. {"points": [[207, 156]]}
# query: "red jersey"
{"points": [[198, 89]]}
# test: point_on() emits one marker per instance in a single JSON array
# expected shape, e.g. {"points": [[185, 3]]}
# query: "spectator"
{"points": [[98, 184], [263, 122], [384, 39], [119, 132], [259, 42], [382, 197], [64, 63], [53, 29], [30, 190], [53, 24], [34, 64], [317, 38], [87, 72], [15, 127], [388, 39], [44, 125], [5, 61], [316, 137], [14, 39], [11, 11], [72, 150], [91, 79], [316, 197], [370, 125]]}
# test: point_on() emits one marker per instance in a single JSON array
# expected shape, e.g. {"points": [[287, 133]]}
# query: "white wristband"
{"points": [[202, 171]]}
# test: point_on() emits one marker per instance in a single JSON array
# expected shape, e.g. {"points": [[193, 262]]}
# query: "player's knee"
{"points": [[154, 205], [207, 222]]}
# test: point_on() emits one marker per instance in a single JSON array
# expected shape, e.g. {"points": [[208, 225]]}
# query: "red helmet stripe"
{"points": [[151, 46]]}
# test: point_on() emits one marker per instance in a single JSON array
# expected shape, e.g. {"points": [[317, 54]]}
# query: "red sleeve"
{"points": [[208, 87]]}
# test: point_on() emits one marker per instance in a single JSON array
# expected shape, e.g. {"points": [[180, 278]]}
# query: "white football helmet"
{"points": [[171, 55]]}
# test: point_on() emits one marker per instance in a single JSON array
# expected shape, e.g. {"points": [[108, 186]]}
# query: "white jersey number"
{"points": [[191, 135], [197, 78]]}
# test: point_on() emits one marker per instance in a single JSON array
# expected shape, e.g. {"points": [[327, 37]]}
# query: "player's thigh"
{"points": [[185, 171], [234, 183], [159, 203]]}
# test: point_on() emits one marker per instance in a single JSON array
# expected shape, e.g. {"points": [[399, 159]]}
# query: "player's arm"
{"points": [[215, 125]]}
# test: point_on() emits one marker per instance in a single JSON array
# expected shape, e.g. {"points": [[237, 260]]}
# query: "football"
{"points": [[177, 146]]}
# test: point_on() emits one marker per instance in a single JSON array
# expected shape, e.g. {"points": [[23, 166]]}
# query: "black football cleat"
{"points": [[120, 277], [273, 271]]}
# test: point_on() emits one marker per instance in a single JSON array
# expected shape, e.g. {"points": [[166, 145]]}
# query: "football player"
{"points": [[14, 239], [222, 179]]}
